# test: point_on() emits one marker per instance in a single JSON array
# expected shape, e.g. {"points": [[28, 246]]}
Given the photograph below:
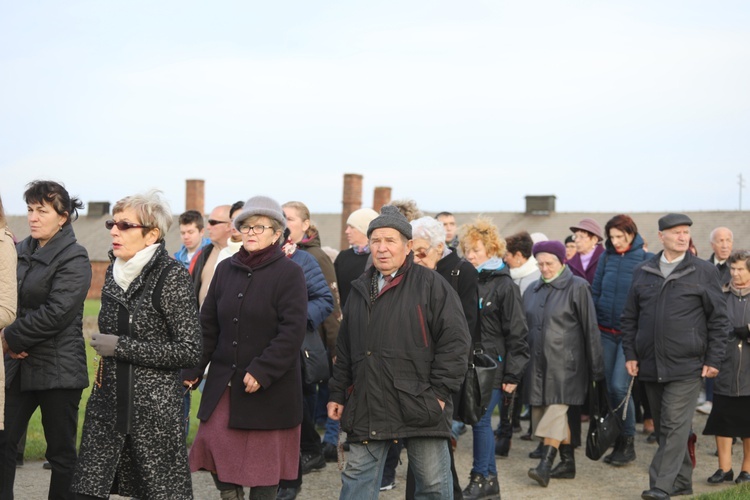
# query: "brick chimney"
{"points": [[381, 197], [352, 201], [194, 195]]}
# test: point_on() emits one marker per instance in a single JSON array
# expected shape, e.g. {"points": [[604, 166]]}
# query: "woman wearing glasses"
{"points": [[44, 346], [254, 319], [133, 441]]}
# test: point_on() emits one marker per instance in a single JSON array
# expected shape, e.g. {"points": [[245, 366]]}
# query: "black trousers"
{"points": [[59, 408]]}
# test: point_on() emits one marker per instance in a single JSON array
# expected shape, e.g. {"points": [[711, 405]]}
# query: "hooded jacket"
{"points": [[565, 346], [673, 326], [398, 353]]}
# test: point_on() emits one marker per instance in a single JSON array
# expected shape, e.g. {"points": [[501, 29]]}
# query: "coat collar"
{"points": [[29, 248]]}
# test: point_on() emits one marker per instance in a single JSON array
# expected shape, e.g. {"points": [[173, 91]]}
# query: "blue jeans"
{"points": [[617, 377], [484, 440], [332, 432], [429, 458]]}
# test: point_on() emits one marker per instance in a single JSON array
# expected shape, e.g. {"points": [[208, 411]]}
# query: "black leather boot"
{"points": [[541, 472], [537, 453], [615, 449], [566, 469], [625, 454]]}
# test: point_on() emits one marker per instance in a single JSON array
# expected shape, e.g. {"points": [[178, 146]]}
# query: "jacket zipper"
{"points": [[421, 324], [739, 368]]}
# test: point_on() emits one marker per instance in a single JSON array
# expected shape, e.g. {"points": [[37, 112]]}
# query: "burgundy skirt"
{"points": [[245, 457]]}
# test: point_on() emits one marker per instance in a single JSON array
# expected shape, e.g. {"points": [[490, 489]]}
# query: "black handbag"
{"points": [[604, 424], [315, 369], [476, 391]]}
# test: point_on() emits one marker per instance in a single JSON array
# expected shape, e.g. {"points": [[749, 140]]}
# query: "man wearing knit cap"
{"points": [[675, 328], [588, 235], [350, 263], [402, 351]]}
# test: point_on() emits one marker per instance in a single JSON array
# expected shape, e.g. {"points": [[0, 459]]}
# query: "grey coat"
{"points": [[734, 374], [134, 428], [564, 341]]}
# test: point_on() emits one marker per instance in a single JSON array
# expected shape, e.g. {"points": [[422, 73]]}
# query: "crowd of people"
{"points": [[237, 310]]}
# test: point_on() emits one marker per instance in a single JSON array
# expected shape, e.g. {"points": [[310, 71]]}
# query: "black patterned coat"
{"points": [[133, 439]]}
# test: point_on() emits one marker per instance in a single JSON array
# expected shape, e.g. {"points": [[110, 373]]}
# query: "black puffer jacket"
{"points": [[502, 325], [398, 355], [564, 341], [674, 326], [734, 374], [53, 281]]}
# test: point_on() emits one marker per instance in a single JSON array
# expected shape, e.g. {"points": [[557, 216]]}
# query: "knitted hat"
{"points": [[590, 226], [673, 220], [260, 205], [390, 217], [554, 247], [360, 219]]}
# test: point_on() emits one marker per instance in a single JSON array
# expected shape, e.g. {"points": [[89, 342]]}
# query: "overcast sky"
{"points": [[462, 106]]}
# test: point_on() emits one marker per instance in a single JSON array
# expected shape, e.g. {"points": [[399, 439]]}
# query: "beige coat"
{"points": [[8, 299]]}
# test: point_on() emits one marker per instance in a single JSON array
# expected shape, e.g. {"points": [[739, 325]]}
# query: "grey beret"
{"points": [[390, 217], [673, 220], [260, 205]]}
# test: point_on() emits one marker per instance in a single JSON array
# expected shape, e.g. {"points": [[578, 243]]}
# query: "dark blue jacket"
{"points": [[319, 297], [612, 281]]}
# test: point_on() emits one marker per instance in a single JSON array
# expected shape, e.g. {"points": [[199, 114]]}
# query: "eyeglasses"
{"points": [[123, 225], [258, 229], [213, 222], [421, 253]]}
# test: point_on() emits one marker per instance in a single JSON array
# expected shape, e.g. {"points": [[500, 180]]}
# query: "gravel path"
{"points": [[595, 480]]}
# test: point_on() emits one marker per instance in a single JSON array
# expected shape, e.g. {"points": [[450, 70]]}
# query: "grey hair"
{"points": [[714, 230], [152, 211], [431, 230]]}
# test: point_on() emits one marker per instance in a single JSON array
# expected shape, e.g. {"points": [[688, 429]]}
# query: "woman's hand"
{"points": [[190, 383], [509, 388], [251, 385], [6, 348]]}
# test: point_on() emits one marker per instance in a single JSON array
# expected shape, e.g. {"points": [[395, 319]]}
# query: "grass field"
{"points": [[731, 493], [35, 442]]}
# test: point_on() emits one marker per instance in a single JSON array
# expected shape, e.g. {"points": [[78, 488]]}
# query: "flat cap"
{"points": [[673, 220]]}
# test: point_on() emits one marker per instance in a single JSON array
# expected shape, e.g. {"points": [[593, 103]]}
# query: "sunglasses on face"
{"points": [[123, 226], [213, 222]]}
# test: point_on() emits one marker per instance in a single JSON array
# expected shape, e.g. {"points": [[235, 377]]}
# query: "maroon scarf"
{"points": [[255, 259]]}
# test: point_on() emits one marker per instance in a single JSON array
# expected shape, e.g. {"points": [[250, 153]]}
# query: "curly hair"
{"points": [[408, 209], [484, 230]]}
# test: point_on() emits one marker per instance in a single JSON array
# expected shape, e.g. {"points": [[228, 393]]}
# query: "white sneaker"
{"points": [[705, 408], [388, 486]]}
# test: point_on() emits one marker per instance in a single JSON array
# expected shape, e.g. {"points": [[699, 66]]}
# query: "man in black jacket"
{"points": [[402, 351], [675, 328]]}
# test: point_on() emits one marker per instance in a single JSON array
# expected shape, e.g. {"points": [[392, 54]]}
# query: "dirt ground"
{"points": [[595, 480]]}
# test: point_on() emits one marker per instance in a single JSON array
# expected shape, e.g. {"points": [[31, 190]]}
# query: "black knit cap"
{"points": [[390, 217]]}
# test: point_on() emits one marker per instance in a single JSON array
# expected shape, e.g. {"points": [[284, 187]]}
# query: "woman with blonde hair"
{"points": [[501, 333], [133, 440]]}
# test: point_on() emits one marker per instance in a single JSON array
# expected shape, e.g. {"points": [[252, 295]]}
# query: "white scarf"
{"points": [[125, 271], [525, 269]]}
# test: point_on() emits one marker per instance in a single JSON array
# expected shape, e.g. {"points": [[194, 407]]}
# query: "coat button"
{"points": [[234, 367], [369, 353], [373, 433], [234, 343], [235, 320], [249, 274], [239, 296]]}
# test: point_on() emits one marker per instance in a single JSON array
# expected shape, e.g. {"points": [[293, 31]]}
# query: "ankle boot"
{"points": [[566, 469], [502, 446], [537, 453], [625, 454], [615, 450], [540, 474]]}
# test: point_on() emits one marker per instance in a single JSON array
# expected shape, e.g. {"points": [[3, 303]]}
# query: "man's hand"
{"points": [[632, 367], [335, 410], [709, 371], [251, 385], [189, 383], [509, 388]]}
